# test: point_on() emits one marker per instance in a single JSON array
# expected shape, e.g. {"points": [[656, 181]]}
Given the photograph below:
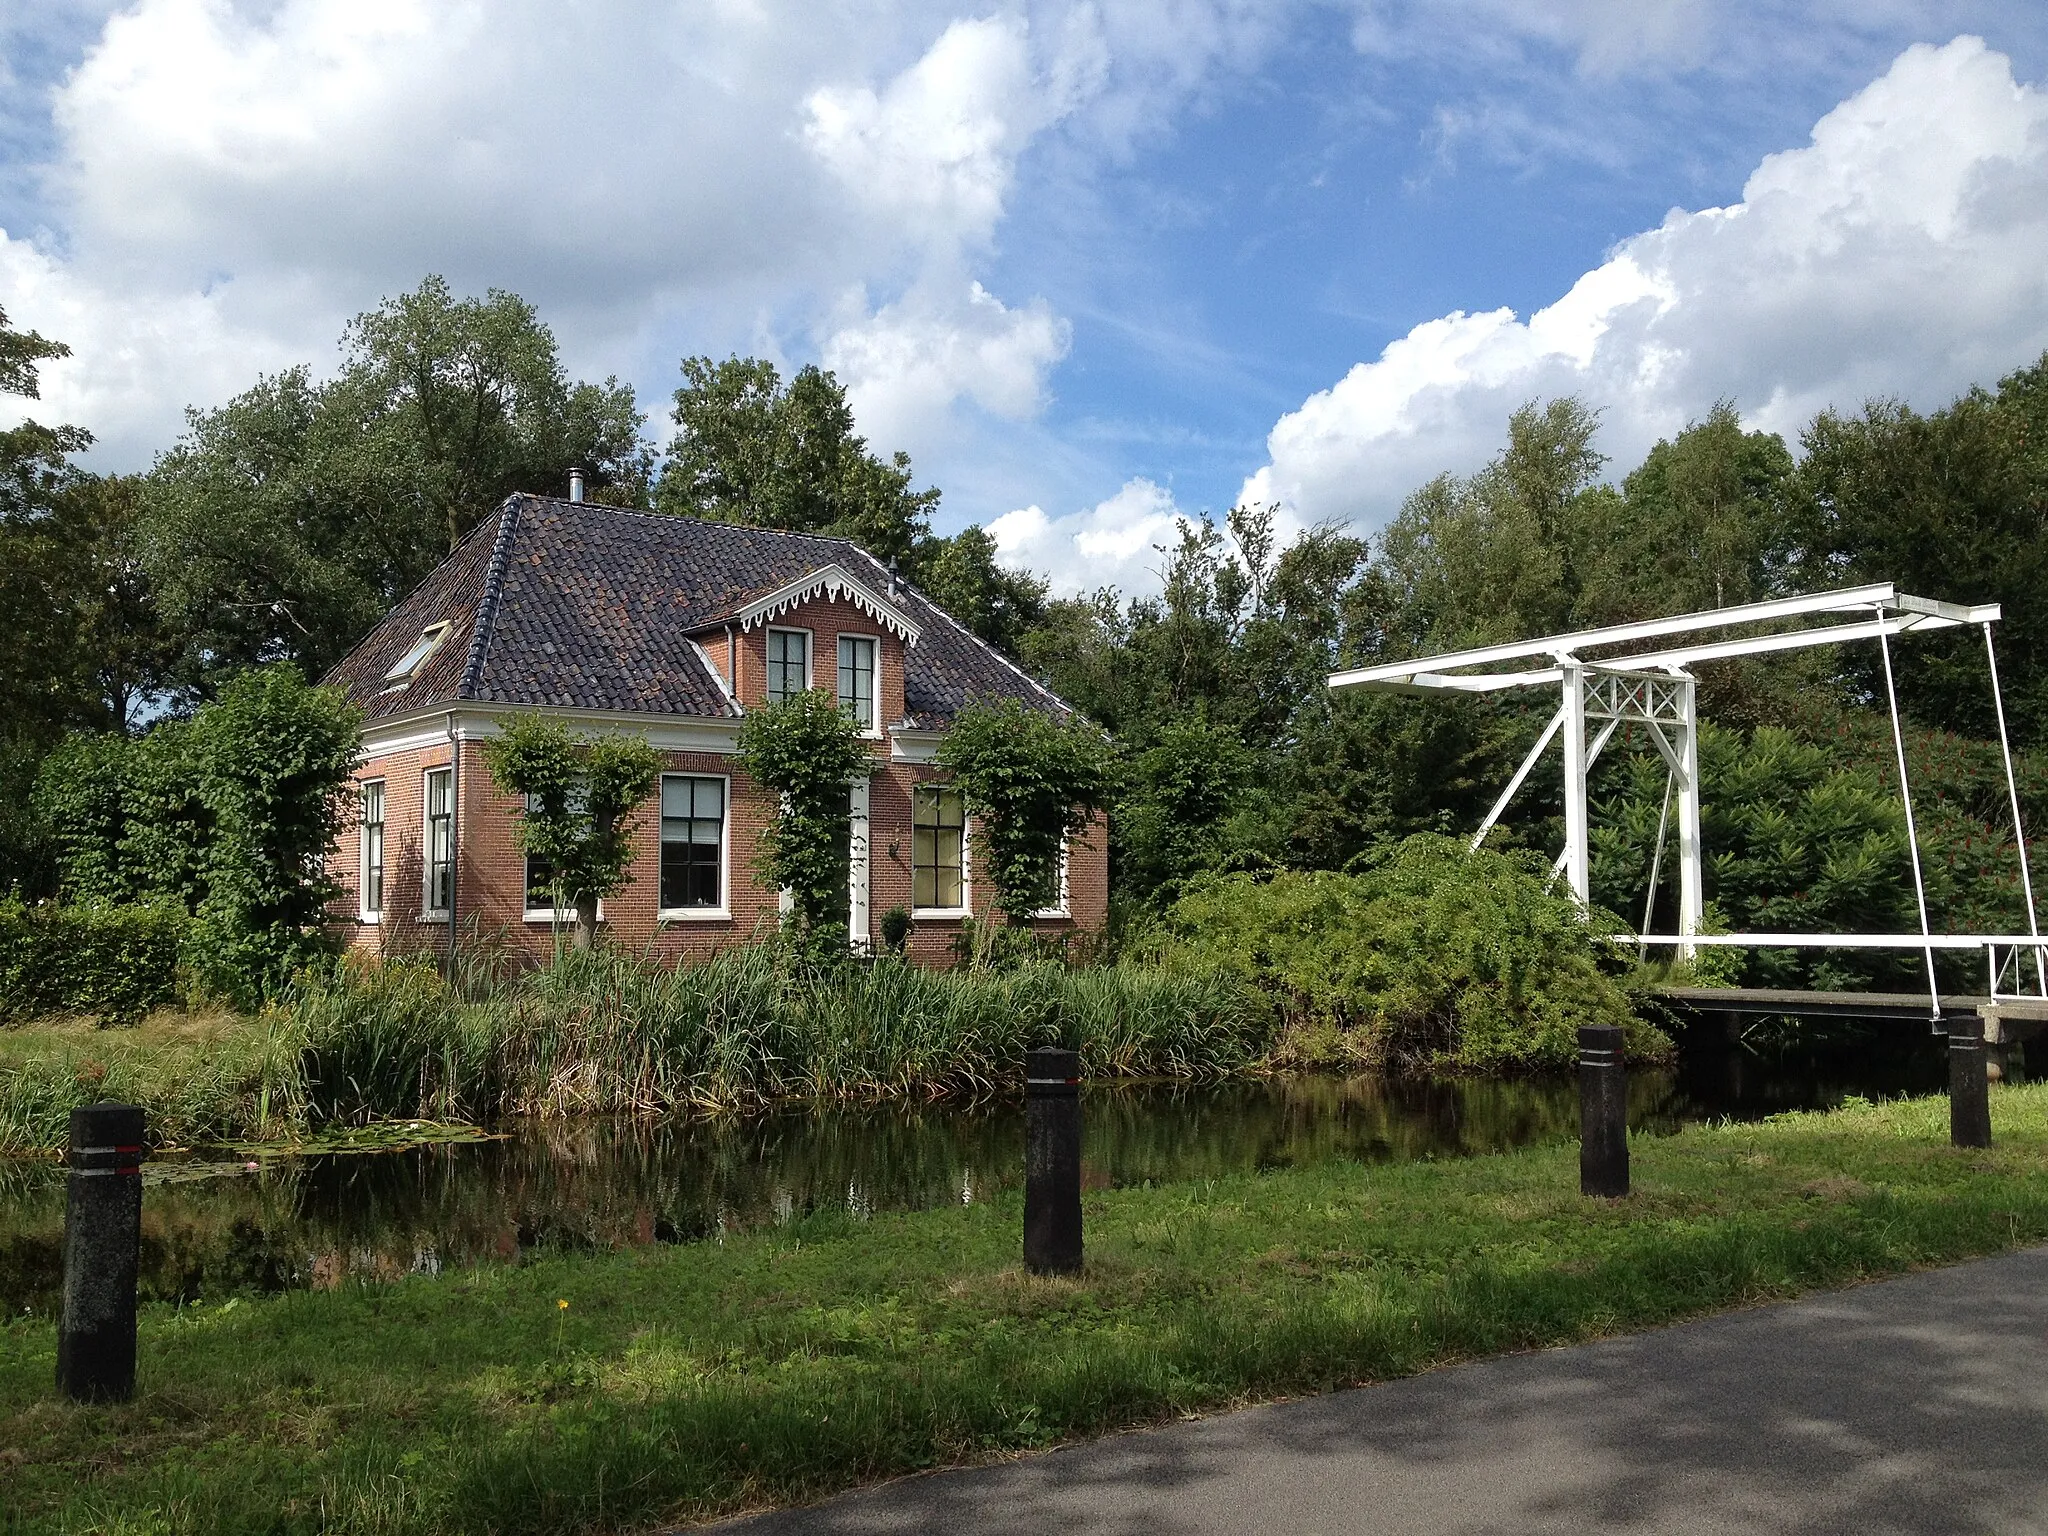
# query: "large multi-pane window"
{"points": [[857, 679], [692, 843], [540, 877], [789, 663], [938, 848], [440, 850], [372, 885]]}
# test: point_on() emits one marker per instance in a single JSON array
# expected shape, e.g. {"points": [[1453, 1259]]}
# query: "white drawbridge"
{"points": [[1636, 674]]}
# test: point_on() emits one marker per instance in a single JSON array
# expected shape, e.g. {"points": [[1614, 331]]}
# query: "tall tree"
{"points": [[75, 616], [286, 522], [1950, 505], [1702, 522], [750, 449], [469, 397]]}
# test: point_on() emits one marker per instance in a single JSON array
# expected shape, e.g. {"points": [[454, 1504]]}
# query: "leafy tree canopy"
{"points": [[578, 796], [1950, 505], [807, 751], [752, 449], [287, 522], [1031, 782]]}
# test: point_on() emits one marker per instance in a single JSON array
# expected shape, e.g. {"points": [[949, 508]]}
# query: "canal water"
{"points": [[216, 1226]]}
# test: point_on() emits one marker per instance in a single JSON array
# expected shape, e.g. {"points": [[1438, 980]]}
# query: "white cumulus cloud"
{"points": [[1112, 544], [1900, 252], [224, 184]]}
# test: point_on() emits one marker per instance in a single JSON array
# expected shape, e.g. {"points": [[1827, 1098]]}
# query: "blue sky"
{"points": [[1093, 265]]}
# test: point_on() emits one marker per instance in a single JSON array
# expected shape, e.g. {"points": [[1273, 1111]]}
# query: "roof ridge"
{"points": [[691, 517], [487, 603]]}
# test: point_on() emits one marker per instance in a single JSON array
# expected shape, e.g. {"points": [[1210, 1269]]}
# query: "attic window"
{"points": [[402, 670]]}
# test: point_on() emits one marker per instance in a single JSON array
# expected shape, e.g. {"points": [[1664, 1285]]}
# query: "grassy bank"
{"points": [[682, 1382], [607, 1033]]}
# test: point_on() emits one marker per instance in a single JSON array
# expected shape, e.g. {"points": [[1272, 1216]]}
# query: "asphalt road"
{"points": [[1911, 1405]]}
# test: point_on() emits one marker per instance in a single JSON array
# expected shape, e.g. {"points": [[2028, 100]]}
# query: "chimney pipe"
{"points": [[575, 485], [892, 577]]}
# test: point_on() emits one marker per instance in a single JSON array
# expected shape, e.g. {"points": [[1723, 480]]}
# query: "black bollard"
{"points": [[1969, 1085], [102, 1231], [1052, 1162], [1603, 1112]]}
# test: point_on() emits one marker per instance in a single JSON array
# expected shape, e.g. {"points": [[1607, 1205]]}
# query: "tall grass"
{"points": [[607, 1032]]}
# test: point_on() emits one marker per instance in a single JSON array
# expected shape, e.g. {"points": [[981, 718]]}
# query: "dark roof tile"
{"points": [[575, 605]]}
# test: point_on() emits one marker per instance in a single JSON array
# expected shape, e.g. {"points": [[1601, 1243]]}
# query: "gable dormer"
{"points": [[825, 629]]}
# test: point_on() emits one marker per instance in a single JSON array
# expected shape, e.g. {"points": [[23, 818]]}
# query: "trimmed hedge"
{"points": [[116, 960]]}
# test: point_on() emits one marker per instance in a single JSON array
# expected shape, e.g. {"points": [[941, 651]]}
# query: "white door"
{"points": [[857, 869]]}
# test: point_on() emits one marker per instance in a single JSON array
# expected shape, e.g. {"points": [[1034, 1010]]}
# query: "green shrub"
{"points": [[1432, 958], [110, 959], [232, 814], [1799, 838]]}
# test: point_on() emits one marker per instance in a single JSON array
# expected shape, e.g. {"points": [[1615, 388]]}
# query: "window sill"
{"points": [[433, 917], [940, 914], [370, 919], [548, 919], [694, 915]]}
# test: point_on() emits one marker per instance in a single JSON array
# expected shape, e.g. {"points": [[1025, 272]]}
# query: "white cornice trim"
{"points": [[479, 722], [833, 581], [914, 746]]}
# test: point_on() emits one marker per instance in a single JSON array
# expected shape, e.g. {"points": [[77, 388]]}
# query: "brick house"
{"points": [[669, 628]]}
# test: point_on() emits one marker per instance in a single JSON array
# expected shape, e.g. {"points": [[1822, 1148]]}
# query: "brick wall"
{"points": [[401, 928]]}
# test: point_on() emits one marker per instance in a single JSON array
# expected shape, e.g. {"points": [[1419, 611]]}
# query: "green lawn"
{"points": [[684, 1382]]}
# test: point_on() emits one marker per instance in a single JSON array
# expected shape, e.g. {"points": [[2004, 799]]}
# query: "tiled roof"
{"points": [[582, 606]]}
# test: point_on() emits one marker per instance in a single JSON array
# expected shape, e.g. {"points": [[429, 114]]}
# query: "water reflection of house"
{"points": [[670, 629]]}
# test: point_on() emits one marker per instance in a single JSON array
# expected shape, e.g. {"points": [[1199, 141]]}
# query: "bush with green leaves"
{"points": [[1799, 838], [232, 814], [1432, 957], [578, 795], [113, 960], [1031, 781], [807, 752], [81, 800], [274, 758]]}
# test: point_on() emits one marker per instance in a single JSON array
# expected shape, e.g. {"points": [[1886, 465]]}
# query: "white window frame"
{"points": [[966, 907], [428, 912], [1064, 907], [553, 918], [365, 913], [722, 913], [874, 731], [810, 658]]}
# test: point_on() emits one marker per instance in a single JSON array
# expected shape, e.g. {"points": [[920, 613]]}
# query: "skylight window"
{"points": [[402, 670]]}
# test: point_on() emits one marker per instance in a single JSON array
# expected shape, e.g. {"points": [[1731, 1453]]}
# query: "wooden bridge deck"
{"points": [[1814, 1005]]}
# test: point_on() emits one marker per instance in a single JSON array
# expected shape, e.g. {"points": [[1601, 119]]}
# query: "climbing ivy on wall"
{"points": [[807, 752]]}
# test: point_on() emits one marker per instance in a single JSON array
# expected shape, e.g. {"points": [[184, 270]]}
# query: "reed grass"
{"points": [[605, 1032]]}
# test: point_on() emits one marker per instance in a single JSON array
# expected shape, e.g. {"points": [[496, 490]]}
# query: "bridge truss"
{"points": [[1642, 674]]}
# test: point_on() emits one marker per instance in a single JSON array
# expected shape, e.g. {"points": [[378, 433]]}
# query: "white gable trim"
{"points": [[832, 581]]}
